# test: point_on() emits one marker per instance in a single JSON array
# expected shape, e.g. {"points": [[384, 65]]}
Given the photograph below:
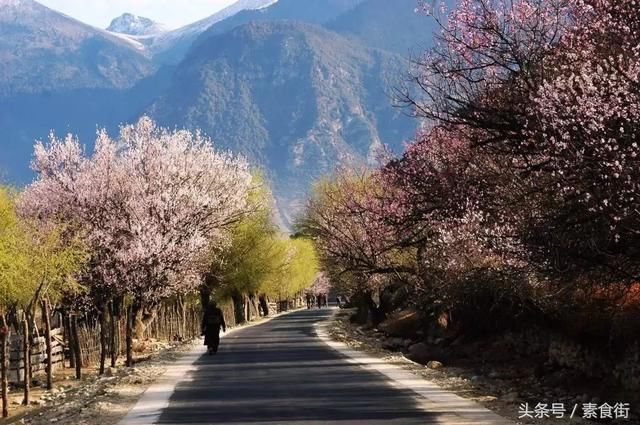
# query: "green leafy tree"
{"points": [[37, 262], [14, 289], [259, 261]]}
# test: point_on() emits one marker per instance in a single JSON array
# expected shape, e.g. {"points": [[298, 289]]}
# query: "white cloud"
{"points": [[174, 13]]}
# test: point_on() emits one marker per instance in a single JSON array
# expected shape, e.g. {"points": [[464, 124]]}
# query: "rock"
{"points": [[392, 343], [398, 342], [435, 365], [36, 402], [511, 397], [402, 324], [110, 371], [419, 352]]}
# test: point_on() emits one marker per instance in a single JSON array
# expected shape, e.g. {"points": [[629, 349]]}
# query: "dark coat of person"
{"points": [[212, 321]]}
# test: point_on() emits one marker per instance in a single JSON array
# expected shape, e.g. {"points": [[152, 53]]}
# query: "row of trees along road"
{"points": [[150, 215], [258, 263], [518, 201], [36, 264]]}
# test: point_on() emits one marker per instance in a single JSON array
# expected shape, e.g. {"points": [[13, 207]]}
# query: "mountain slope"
{"points": [[170, 47], [310, 11], [390, 25], [43, 50], [295, 98]]}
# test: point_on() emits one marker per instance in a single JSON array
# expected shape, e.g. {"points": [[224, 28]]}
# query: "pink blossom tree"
{"points": [[546, 91], [359, 252], [488, 57], [150, 204], [584, 121]]}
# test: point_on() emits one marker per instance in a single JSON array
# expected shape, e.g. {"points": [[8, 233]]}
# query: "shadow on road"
{"points": [[281, 372]]}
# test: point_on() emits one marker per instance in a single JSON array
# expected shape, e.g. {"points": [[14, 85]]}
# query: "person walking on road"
{"points": [[212, 321]]}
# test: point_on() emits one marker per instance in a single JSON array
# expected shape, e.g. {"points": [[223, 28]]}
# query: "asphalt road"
{"points": [[280, 372]]}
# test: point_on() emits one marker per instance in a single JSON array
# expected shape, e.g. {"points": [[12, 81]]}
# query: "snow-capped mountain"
{"points": [[334, 61], [171, 46], [42, 49], [225, 13], [130, 24]]}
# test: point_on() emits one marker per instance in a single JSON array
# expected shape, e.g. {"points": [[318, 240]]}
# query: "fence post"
{"points": [[76, 344], [26, 352], [5, 337], [103, 338], [47, 340]]}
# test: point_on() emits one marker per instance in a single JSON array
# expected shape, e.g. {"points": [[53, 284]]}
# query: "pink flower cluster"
{"points": [[150, 204], [528, 161]]}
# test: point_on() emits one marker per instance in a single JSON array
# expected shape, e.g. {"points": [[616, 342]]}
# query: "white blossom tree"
{"points": [[150, 204]]}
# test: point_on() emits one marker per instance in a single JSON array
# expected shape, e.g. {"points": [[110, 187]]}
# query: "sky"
{"points": [[174, 13]]}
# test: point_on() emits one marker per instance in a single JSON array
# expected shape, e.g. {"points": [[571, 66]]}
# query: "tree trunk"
{"points": [[129, 337], [255, 310], [5, 334], [183, 317], [26, 353], [143, 318], [238, 307], [46, 319], [68, 339], [103, 338], [132, 312], [77, 352], [247, 308], [264, 305], [115, 331], [367, 311]]}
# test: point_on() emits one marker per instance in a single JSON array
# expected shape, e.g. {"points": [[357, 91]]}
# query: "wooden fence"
{"points": [[37, 353], [170, 322]]}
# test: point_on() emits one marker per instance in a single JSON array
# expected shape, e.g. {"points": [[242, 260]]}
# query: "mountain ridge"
{"points": [[299, 88], [299, 101], [131, 24], [41, 48], [171, 46]]}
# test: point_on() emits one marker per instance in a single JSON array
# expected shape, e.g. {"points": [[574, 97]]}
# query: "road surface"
{"points": [[281, 372]]}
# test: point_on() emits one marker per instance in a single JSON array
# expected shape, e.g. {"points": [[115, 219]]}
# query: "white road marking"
{"points": [[156, 398], [452, 409]]}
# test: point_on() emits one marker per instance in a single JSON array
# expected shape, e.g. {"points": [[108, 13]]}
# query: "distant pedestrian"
{"points": [[212, 321], [309, 301], [338, 301]]}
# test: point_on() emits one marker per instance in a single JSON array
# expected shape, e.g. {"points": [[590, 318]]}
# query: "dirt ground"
{"points": [[101, 400], [500, 386]]}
